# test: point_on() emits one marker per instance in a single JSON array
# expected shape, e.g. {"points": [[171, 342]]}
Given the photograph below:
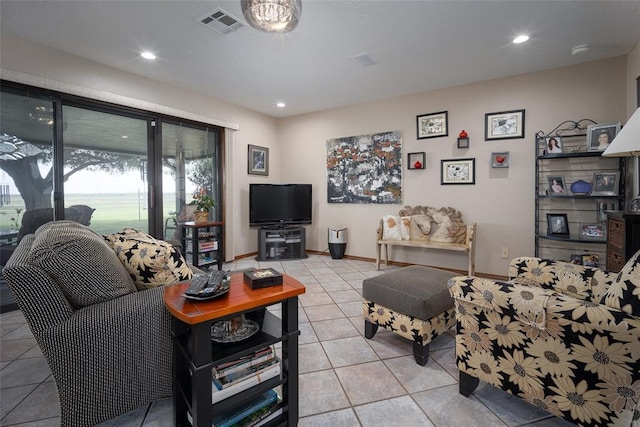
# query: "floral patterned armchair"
{"points": [[564, 337]]}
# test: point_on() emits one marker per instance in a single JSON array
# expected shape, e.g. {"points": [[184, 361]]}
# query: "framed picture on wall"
{"points": [[458, 171], [504, 125], [433, 125], [258, 160]]}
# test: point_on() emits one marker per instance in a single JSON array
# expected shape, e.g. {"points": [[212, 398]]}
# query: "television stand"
{"points": [[281, 243]]}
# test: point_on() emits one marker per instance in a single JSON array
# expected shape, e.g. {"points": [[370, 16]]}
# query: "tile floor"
{"points": [[345, 379]]}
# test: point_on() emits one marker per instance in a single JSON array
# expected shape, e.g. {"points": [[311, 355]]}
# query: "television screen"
{"points": [[279, 204]]}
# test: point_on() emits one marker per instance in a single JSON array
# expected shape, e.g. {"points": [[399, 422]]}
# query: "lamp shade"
{"points": [[627, 142], [272, 16]]}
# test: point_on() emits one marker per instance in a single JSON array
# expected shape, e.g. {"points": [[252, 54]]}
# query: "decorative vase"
{"points": [[201, 216], [580, 187], [463, 134]]}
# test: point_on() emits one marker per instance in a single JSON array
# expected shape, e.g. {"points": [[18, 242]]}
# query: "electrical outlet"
{"points": [[504, 253]]}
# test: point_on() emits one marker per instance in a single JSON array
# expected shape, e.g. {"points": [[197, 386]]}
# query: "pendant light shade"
{"points": [[272, 16]]}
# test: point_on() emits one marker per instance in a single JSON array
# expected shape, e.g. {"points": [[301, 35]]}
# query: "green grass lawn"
{"points": [[113, 211]]}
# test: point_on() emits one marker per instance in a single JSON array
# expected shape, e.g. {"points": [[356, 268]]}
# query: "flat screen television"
{"points": [[279, 204]]}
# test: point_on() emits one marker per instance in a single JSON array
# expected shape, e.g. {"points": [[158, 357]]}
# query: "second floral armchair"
{"points": [[564, 337]]}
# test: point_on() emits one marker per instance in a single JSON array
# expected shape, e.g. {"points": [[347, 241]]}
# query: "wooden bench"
{"points": [[464, 242]]}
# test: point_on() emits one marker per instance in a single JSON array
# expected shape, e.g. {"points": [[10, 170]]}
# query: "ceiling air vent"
{"points": [[220, 21]]}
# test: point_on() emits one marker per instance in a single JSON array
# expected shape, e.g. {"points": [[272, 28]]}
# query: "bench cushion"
{"points": [[415, 291]]}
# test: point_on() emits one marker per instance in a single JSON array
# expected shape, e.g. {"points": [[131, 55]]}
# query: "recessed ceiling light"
{"points": [[125, 137], [281, 104], [520, 39], [147, 55]]}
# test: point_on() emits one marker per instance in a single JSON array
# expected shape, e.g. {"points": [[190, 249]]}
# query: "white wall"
{"points": [[501, 202]]}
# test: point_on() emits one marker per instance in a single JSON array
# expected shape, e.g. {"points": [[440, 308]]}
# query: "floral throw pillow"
{"points": [[149, 261], [624, 292]]}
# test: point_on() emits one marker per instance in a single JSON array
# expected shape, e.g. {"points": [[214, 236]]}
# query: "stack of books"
{"points": [[236, 376], [210, 245], [254, 413]]}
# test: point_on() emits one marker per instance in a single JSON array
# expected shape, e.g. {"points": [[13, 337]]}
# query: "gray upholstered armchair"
{"points": [[108, 345]]}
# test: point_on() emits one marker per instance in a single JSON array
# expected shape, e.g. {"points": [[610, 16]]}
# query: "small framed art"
{"points": [[458, 171], [504, 125], [553, 145], [600, 136], [605, 183], [556, 186], [500, 160], [433, 125], [258, 160], [557, 225], [590, 260], [593, 231]]}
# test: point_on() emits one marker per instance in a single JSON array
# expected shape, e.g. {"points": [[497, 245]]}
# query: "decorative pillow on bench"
{"points": [[395, 227], [149, 261]]}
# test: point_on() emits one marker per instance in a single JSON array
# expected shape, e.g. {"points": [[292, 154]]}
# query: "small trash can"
{"points": [[337, 242]]}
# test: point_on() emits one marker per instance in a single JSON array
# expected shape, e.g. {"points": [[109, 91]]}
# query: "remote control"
{"points": [[207, 284]]}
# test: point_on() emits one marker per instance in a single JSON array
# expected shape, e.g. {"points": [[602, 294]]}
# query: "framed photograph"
{"points": [[575, 259], [593, 231], [458, 171], [557, 225], [500, 159], [600, 136], [605, 183], [590, 260], [553, 145], [504, 125], [258, 160], [433, 125], [556, 186]]}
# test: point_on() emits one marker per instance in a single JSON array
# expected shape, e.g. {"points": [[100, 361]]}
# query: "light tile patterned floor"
{"points": [[345, 379]]}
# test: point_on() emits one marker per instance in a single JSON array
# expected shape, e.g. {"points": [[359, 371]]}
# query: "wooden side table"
{"points": [[623, 238], [195, 354]]}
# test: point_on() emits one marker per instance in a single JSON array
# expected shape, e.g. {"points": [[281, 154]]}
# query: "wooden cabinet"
{"points": [[203, 243], [623, 239], [585, 211], [195, 354]]}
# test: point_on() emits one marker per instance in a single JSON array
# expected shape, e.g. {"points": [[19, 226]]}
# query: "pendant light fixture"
{"points": [[272, 16]]}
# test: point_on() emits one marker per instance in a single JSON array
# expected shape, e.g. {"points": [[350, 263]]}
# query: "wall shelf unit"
{"points": [[572, 164]]}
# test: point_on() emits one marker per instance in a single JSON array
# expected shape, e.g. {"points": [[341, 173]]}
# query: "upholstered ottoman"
{"points": [[413, 302]]}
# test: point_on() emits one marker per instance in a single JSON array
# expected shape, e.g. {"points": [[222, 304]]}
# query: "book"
{"points": [[232, 378], [255, 358], [268, 416], [219, 395], [237, 415]]}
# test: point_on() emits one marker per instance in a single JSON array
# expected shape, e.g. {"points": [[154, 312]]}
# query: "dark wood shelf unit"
{"points": [[623, 239], [194, 235], [195, 354]]}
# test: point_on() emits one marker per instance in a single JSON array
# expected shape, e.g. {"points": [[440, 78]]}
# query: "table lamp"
{"points": [[627, 144]]}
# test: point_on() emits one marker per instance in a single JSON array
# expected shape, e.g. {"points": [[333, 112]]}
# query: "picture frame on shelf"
{"points": [[257, 160], [556, 185], [557, 225], [599, 136], [458, 171], [432, 125], [500, 159], [553, 145], [593, 231], [590, 260], [504, 125], [605, 183], [575, 259]]}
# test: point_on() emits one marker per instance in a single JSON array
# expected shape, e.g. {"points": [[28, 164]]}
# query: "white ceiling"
{"points": [[417, 45]]}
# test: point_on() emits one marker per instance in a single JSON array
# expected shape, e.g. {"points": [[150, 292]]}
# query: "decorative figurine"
{"points": [[463, 134], [417, 164]]}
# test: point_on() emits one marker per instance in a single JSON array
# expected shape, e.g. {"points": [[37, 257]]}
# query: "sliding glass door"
{"points": [[105, 171]]}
